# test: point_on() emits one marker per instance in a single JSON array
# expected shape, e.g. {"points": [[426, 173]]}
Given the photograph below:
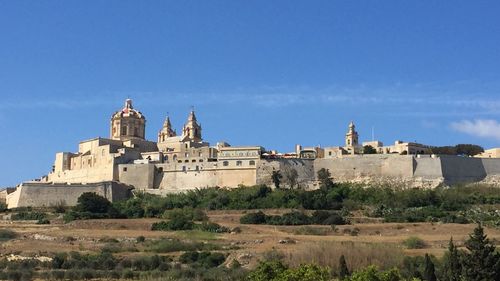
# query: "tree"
{"points": [[291, 175], [324, 179], [92, 203], [343, 270], [368, 149], [481, 262], [276, 178], [429, 272], [267, 271], [452, 267], [468, 149]]}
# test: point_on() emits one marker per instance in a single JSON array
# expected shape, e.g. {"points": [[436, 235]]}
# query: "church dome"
{"points": [[127, 123], [128, 111]]}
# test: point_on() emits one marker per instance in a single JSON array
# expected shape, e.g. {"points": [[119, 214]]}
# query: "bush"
{"points": [[414, 243], [140, 239], [7, 234], [43, 221], [212, 227], [178, 223], [174, 245], [203, 259], [254, 218], [187, 213], [92, 203], [28, 216]]}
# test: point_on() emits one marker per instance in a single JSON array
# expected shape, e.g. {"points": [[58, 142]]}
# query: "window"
{"points": [[175, 157], [197, 168], [186, 154], [252, 163], [194, 160], [124, 169], [187, 160], [199, 154], [201, 160], [183, 168], [225, 163], [160, 170], [124, 130], [238, 163]]}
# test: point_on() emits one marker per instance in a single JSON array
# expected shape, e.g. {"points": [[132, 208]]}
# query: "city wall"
{"points": [[36, 194]]}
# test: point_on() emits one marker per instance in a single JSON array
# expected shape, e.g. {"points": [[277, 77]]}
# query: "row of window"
{"points": [[239, 163]]}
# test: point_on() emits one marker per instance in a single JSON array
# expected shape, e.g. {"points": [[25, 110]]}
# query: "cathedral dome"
{"points": [[128, 111], [127, 123]]}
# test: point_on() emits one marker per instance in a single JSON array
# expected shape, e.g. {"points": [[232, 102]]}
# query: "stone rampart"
{"points": [[36, 194]]}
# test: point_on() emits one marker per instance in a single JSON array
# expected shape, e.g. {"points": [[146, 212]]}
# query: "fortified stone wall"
{"points": [[46, 195], [304, 168], [369, 168]]}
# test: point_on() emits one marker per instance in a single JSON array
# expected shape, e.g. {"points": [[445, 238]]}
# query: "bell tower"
{"points": [[192, 130], [166, 131], [351, 138]]}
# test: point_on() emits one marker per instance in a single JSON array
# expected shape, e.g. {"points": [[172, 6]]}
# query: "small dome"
{"points": [[128, 111]]}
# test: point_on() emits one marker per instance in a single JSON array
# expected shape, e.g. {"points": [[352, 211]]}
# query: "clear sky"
{"points": [[271, 73]]}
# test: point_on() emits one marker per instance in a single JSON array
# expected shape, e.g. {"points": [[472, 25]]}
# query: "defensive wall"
{"points": [[37, 194], [393, 170]]}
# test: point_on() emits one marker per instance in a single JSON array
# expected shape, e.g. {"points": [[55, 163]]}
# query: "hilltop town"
{"points": [[178, 162]]}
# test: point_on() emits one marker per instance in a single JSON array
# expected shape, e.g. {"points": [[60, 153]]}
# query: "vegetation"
{"points": [[7, 234], [28, 216], [294, 218], [368, 149], [414, 243], [459, 149]]}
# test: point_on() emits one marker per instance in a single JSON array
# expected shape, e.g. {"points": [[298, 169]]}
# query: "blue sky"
{"points": [[272, 73]]}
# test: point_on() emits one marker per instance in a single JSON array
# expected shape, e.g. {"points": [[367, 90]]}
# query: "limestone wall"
{"points": [[45, 195], [362, 168], [304, 168], [462, 169]]}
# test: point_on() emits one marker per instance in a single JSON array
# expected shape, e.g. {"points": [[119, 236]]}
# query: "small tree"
{"points": [[291, 175], [324, 179], [92, 203], [452, 267], [343, 270], [368, 149], [481, 262], [276, 178], [429, 271]]}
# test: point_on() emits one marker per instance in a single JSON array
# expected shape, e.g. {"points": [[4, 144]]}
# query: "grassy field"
{"points": [[363, 244]]}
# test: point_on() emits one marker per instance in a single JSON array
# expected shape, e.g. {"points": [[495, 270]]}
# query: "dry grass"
{"points": [[357, 254]]}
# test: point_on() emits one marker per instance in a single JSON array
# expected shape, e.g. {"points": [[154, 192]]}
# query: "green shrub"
{"points": [[177, 223], [212, 227], [253, 218], [188, 213], [92, 203], [140, 239], [174, 245], [7, 234], [43, 221], [414, 242], [203, 259], [28, 216]]}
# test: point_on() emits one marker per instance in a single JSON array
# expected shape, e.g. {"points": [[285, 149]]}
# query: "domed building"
{"points": [[127, 123]]}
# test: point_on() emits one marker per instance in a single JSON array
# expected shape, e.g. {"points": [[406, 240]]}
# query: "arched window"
{"points": [[239, 162], [175, 157], [252, 163], [225, 163]]}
